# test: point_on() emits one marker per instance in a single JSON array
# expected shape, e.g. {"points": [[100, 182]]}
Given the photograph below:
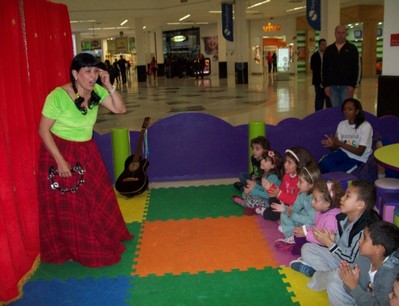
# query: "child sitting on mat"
{"points": [[326, 202], [259, 146], [301, 213], [255, 195], [295, 159]]}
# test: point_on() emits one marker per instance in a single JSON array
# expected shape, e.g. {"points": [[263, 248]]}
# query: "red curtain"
{"points": [[33, 60]]}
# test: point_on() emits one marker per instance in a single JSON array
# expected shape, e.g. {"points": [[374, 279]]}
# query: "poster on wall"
{"points": [[283, 59], [301, 53], [211, 47]]}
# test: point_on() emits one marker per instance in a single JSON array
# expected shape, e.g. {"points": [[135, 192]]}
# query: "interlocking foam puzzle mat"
{"points": [[192, 246]]}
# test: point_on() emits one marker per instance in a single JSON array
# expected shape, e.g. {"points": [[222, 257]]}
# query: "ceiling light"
{"points": [[215, 12], [82, 21], [257, 4], [173, 23], [122, 23], [179, 38], [296, 8], [185, 17]]}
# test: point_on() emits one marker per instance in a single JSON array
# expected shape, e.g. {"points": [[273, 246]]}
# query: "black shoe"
{"points": [[238, 185]]}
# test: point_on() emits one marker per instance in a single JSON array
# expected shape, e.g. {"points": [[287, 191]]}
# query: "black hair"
{"points": [[262, 140], [385, 234], [305, 158], [331, 191], [366, 193], [277, 161], [359, 118], [321, 40], [79, 61]]}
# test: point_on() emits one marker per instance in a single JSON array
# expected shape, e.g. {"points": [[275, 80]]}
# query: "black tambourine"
{"points": [[56, 186]]}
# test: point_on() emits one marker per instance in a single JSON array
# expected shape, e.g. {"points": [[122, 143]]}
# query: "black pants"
{"points": [[269, 214], [320, 97]]}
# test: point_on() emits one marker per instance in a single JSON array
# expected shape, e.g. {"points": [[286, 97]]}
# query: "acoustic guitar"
{"points": [[133, 180]]}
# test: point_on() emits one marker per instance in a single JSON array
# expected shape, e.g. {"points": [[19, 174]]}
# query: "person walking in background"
{"points": [[154, 68], [315, 65], [122, 68], [117, 72], [269, 59], [274, 57], [341, 68], [201, 63]]}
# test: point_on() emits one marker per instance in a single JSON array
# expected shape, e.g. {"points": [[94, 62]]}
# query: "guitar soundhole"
{"points": [[134, 166]]}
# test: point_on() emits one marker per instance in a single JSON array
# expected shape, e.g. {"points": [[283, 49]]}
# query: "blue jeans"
{"points": [[338, 94], [337, 161]]}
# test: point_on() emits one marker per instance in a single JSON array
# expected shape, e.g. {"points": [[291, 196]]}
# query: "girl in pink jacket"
{"points": [[326, 202]]}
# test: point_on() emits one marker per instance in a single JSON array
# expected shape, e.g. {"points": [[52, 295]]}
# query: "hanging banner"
{"points": [[313, 13], [227, 21]]}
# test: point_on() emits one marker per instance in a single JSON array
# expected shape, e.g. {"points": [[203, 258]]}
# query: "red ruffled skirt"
{"points": [[86, 226]]}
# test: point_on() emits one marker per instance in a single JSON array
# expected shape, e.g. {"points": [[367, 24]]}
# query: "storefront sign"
{"points": [[313, 14], [121, 45], [271, 27], [227, 21], [394, 40]]}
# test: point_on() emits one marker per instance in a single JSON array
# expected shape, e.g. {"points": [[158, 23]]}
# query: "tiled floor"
{"points": [[264, 98]]}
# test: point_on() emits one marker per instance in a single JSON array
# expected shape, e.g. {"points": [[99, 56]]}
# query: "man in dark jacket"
{"points": [[341, 68], [315, 65]]}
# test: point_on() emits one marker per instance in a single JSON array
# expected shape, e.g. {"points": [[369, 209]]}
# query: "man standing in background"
{"points": [[315, 65], [122, 69], [341, 68]]}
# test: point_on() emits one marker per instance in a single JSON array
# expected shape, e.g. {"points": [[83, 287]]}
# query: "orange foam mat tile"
{"points": [[133, 209], [297, 283], [208, 245]]}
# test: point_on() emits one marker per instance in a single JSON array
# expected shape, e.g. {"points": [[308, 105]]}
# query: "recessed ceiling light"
{"points": [[185, 17], [123, 22], [257, 4]]}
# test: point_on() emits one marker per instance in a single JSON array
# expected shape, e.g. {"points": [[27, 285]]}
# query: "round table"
{"points": [[388, 156]]}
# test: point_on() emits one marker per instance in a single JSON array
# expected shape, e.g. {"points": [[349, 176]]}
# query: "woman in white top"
{"points": [[352, 143]]}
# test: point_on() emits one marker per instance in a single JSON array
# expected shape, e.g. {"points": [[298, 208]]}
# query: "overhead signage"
{"points": [[227, 21], [313, 14], [271, 27], [394, 40]]}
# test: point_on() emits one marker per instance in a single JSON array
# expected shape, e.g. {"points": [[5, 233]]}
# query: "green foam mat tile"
{"points": [[251, 287], [192, 202]]}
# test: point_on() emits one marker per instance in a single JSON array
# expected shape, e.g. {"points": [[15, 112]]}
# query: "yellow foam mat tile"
{"points": [[133, 209], [297, 284]]}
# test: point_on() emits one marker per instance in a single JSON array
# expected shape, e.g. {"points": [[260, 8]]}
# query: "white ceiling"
{"points": [[102, 14]]}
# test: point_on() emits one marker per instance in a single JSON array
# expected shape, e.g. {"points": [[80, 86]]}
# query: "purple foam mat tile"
{"points": [[271, 234]]}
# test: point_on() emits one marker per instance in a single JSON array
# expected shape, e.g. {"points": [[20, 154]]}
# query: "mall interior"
{"points": [[239, 68]]}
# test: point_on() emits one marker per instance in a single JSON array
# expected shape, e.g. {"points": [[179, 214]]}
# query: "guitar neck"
{"points": [[137, 153]]}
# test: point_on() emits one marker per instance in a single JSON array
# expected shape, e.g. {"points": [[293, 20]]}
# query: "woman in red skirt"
{"points": [[80, 218]]}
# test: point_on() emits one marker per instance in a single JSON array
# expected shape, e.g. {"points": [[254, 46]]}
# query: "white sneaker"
{"points": [[299, 259], [280, 228], [289, 240]]}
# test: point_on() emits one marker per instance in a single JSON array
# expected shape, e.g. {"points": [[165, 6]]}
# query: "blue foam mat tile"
{"points": [[72, 291]]}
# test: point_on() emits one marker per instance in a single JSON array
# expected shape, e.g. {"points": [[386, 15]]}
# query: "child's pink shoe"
{"points": [[236, 199]]}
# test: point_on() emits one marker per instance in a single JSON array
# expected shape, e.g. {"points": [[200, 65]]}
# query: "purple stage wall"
{"points": [[192, 146]]}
